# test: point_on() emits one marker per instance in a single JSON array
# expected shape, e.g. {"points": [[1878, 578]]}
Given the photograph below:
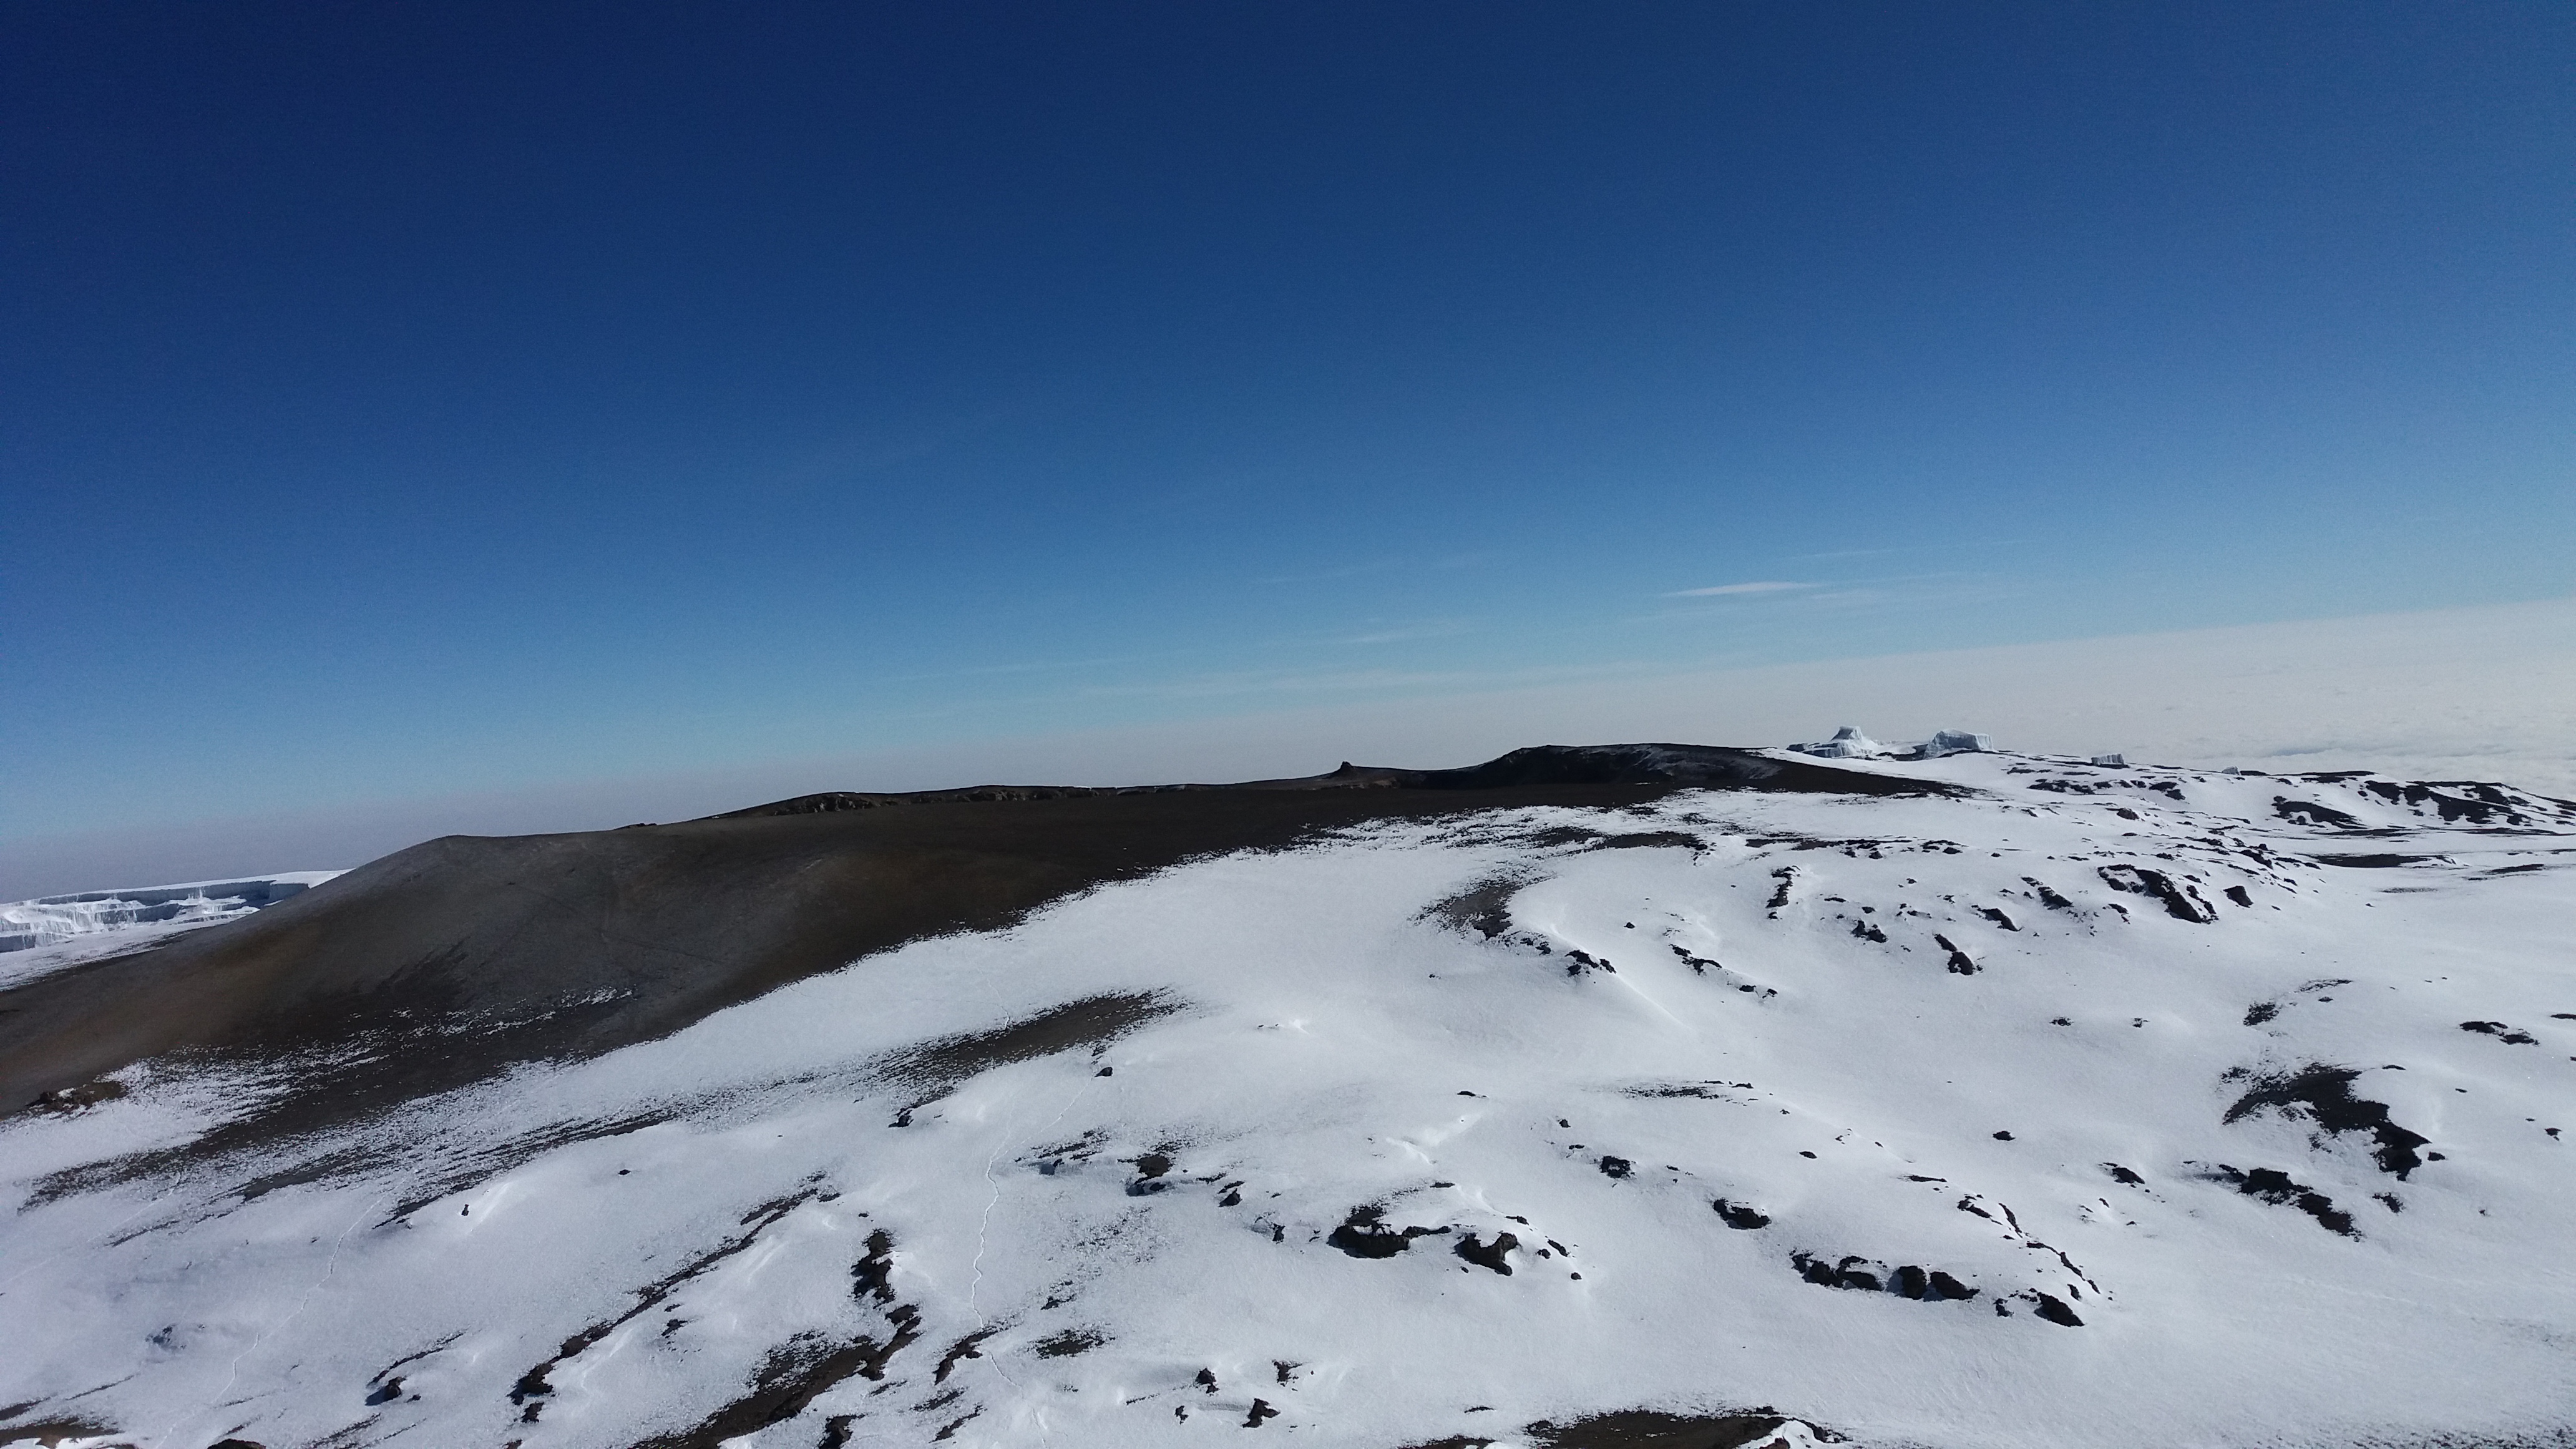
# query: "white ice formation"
{"points": [[50, 932], [1849, 743]]}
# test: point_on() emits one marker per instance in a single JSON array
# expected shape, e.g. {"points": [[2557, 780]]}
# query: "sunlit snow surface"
{"points": [[795, 1209]]}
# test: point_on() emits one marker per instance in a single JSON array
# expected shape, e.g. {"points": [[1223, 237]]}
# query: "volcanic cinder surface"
{"points": [[1625, 1096]]}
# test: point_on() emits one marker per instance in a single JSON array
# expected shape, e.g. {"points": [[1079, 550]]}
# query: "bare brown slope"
{"points": [[453, 959]]}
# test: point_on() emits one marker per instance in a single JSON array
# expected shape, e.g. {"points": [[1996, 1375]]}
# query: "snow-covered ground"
{"points": [[2090, 1106], [50, 932]]}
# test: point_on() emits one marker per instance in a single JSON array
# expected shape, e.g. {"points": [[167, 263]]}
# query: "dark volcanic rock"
{"points": [[1364, 1235], [1647, 1429], [1743, 1219], [2270, 1184], [2323, 1095], [1494, 1255], [2180, 901]]}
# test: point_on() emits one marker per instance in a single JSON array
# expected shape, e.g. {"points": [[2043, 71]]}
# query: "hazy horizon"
{"points": [[2469, 693]]}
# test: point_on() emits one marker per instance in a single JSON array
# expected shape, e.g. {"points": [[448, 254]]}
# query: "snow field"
{"points": [[1072, 1238]]}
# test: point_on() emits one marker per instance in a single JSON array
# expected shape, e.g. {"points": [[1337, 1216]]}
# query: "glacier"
{"points": [[51, 932]]}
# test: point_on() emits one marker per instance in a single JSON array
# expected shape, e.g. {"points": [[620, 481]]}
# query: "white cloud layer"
{"points": [[2486, 693]]}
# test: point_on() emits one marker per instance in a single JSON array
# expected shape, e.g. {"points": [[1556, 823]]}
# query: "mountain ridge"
{"points": [[2012, 1101]]}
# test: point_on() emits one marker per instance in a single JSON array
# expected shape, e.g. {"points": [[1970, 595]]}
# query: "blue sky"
{"points": [[425, 398]]}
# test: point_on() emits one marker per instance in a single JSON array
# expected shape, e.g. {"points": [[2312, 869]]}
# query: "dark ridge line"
{"points": [[1637, 764]]}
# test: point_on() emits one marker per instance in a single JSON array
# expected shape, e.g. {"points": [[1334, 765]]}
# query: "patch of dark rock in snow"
{"points": [[1933, 1286], [1855, 1273], [1786, 876], [2180, 901], [2261, 1012], [2047, 897], [1712, 1091], [1651, 840], [1742, 1218], [1650, 1429], [1494, 1255], [2456, 801], [2501, 1032], [789, 1378], [2271, 1185], [1960, 965], [870, 1276], [2323, 1094], [1616, 1167], [1150, 1171], [970, 1346], [939, 1066], [1484, 908], [2308, 812], [1364, 1234], [1579, 962], [2238, 894], [1546, 837], [1070, 1342], [2055, 1310]]}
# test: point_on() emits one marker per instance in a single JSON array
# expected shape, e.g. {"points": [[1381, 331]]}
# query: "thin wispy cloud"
{"points": [[1765, 586]]}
